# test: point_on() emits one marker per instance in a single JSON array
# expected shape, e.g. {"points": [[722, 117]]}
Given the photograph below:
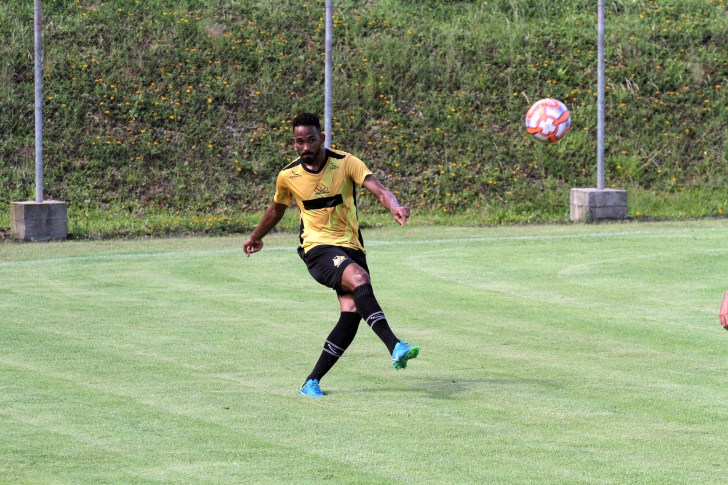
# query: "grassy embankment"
{"points": [[172, 117]]}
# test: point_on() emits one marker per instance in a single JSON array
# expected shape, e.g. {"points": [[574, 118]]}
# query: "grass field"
{"points": [[550, 354]]}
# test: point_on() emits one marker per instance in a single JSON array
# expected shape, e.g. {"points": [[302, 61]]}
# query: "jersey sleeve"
{"points": [[356, 170], [283, 194]]}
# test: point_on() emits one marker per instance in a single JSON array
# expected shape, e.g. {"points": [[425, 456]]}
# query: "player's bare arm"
{"points": [[724, 311], [272, 216], [387, 199]]}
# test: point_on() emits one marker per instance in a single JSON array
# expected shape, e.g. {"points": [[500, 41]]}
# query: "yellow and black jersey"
{"points": [[327, 199]]}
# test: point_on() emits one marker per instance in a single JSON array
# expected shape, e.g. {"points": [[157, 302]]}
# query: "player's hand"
{"points": [[252, 246], [724, 311], [401, 214]]}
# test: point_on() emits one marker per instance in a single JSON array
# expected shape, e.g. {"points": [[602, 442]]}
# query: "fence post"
{"points": [[599, 204], [38, 101], [39, 220], [327, 75], [600, 95]]}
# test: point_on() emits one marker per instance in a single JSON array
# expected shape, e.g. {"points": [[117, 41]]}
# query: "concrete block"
{"points": [[39, 221], [596, 205]]}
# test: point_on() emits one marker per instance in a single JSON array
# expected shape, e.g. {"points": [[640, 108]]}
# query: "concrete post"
{"points": [[39, 221], [597, 205]]}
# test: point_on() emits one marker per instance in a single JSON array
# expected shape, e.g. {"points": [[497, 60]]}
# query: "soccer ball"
{"points": [[548, 120]]}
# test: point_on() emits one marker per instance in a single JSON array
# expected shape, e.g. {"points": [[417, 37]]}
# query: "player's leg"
{"points": [[337, 342], [356, 280], [325, 264]]}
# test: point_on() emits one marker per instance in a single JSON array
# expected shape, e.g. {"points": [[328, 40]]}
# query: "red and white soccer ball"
{"points": [[548, 120]]}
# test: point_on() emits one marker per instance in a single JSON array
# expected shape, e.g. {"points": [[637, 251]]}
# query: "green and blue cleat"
{"points": [[311, 388], [402, 353]]}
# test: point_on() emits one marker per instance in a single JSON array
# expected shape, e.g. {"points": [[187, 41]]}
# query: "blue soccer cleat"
{"points": [[311, 388], [402, 353]]}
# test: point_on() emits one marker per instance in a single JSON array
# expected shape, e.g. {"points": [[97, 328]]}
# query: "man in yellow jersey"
{"points": [[323, 183]]}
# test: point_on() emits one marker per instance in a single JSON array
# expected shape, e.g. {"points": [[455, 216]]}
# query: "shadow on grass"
{"points": [[449, 388]]}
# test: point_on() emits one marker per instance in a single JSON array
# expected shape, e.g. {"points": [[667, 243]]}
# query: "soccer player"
{"points": [[723, 314], [324, 184]]}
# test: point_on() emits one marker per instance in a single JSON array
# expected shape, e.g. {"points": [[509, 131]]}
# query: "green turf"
{"points": [[549, 354]]}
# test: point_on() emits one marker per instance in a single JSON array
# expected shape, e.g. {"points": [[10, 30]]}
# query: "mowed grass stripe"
{"points": [[146, 419], [654, 233], [144, 444], [545, 359]]}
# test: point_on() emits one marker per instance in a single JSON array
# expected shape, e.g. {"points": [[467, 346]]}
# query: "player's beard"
{"points": [[309, 158]]}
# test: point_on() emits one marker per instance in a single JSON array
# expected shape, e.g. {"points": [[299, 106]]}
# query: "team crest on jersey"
{"points": [[295, 174], [321, 189], [338, 260], [333, 166]]}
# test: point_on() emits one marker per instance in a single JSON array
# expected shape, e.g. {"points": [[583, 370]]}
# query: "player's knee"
{"points": [[354, 276], [359, 277]]}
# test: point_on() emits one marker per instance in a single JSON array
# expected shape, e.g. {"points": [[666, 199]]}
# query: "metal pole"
{"points": [[38, 104], [327, 79], [600, 95]]}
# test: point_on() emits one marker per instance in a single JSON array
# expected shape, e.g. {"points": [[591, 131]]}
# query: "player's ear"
{"points": [[323, 137]]}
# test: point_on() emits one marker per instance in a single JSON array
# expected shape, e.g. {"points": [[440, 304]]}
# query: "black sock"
{"points": [[369, 309], [337, 342]]}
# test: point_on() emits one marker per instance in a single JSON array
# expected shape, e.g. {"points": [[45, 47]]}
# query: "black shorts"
{"points": [[327, 263]]}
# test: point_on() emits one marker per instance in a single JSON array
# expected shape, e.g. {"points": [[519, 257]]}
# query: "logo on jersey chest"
{"points": [[295, 174], [321, 189], [338, 260]]}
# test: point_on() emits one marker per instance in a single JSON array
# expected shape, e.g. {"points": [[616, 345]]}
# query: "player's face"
{"points": [[307, 140]]}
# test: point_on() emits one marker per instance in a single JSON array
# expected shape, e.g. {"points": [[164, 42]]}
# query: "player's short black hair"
{"points": [[307, 119]]}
